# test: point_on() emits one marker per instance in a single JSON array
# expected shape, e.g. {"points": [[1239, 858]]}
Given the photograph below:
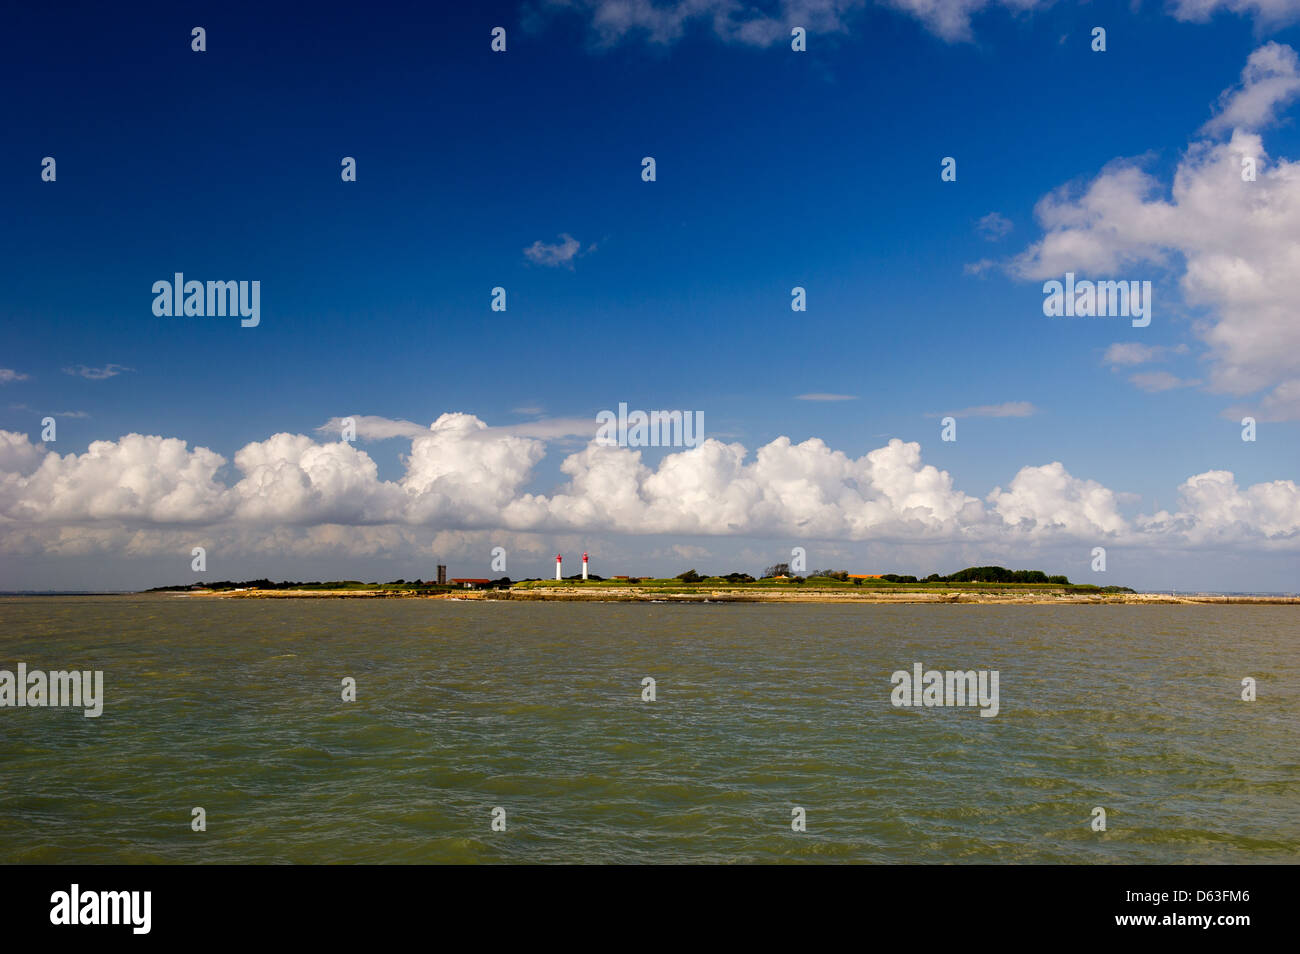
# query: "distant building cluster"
{"points": [[475, 583]]}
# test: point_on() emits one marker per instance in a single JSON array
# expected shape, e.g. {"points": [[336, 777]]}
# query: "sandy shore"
{"points": [[638, 595]]}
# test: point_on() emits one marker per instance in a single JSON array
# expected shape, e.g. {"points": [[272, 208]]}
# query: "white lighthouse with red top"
{"points": [[584, 564], [558, 563]]}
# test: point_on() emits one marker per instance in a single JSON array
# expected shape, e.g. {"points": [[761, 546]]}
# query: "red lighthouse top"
{"points": [[584, 556], [557, 558]]}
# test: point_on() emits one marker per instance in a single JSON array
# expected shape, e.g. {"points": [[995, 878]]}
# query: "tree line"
{"points": [[972, 574]]}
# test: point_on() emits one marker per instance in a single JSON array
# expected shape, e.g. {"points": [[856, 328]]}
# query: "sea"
{"points": [[512, 732]]}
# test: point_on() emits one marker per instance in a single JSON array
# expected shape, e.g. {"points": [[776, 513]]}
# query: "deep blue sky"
{"points": [[774, 170]]}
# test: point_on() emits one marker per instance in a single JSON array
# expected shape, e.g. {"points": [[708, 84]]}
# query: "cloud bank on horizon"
{"points": [[461, 474]]}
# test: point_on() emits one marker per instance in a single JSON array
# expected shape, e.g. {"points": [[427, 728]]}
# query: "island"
{"points": [[975, 585]]}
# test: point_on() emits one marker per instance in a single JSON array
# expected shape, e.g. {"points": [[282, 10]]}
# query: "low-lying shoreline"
{"points": [[632, 594]]}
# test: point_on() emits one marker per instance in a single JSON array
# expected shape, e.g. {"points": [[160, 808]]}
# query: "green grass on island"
{"points": [[971, 579]]}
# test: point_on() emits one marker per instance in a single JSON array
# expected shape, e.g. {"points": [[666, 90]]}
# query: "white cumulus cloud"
{"points": [[1234, 246], [1270, 81], [663, 22], [1267, 13], [559, 254]]}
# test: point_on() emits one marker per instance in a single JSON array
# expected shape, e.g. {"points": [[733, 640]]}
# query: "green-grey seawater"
{"points": [[235, 705]]}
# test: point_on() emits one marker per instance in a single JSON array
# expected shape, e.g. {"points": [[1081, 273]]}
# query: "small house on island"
{"points": [[470, 583]]}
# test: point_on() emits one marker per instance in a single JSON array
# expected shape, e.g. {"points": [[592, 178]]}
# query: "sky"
{"points": [[774, 169]]}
